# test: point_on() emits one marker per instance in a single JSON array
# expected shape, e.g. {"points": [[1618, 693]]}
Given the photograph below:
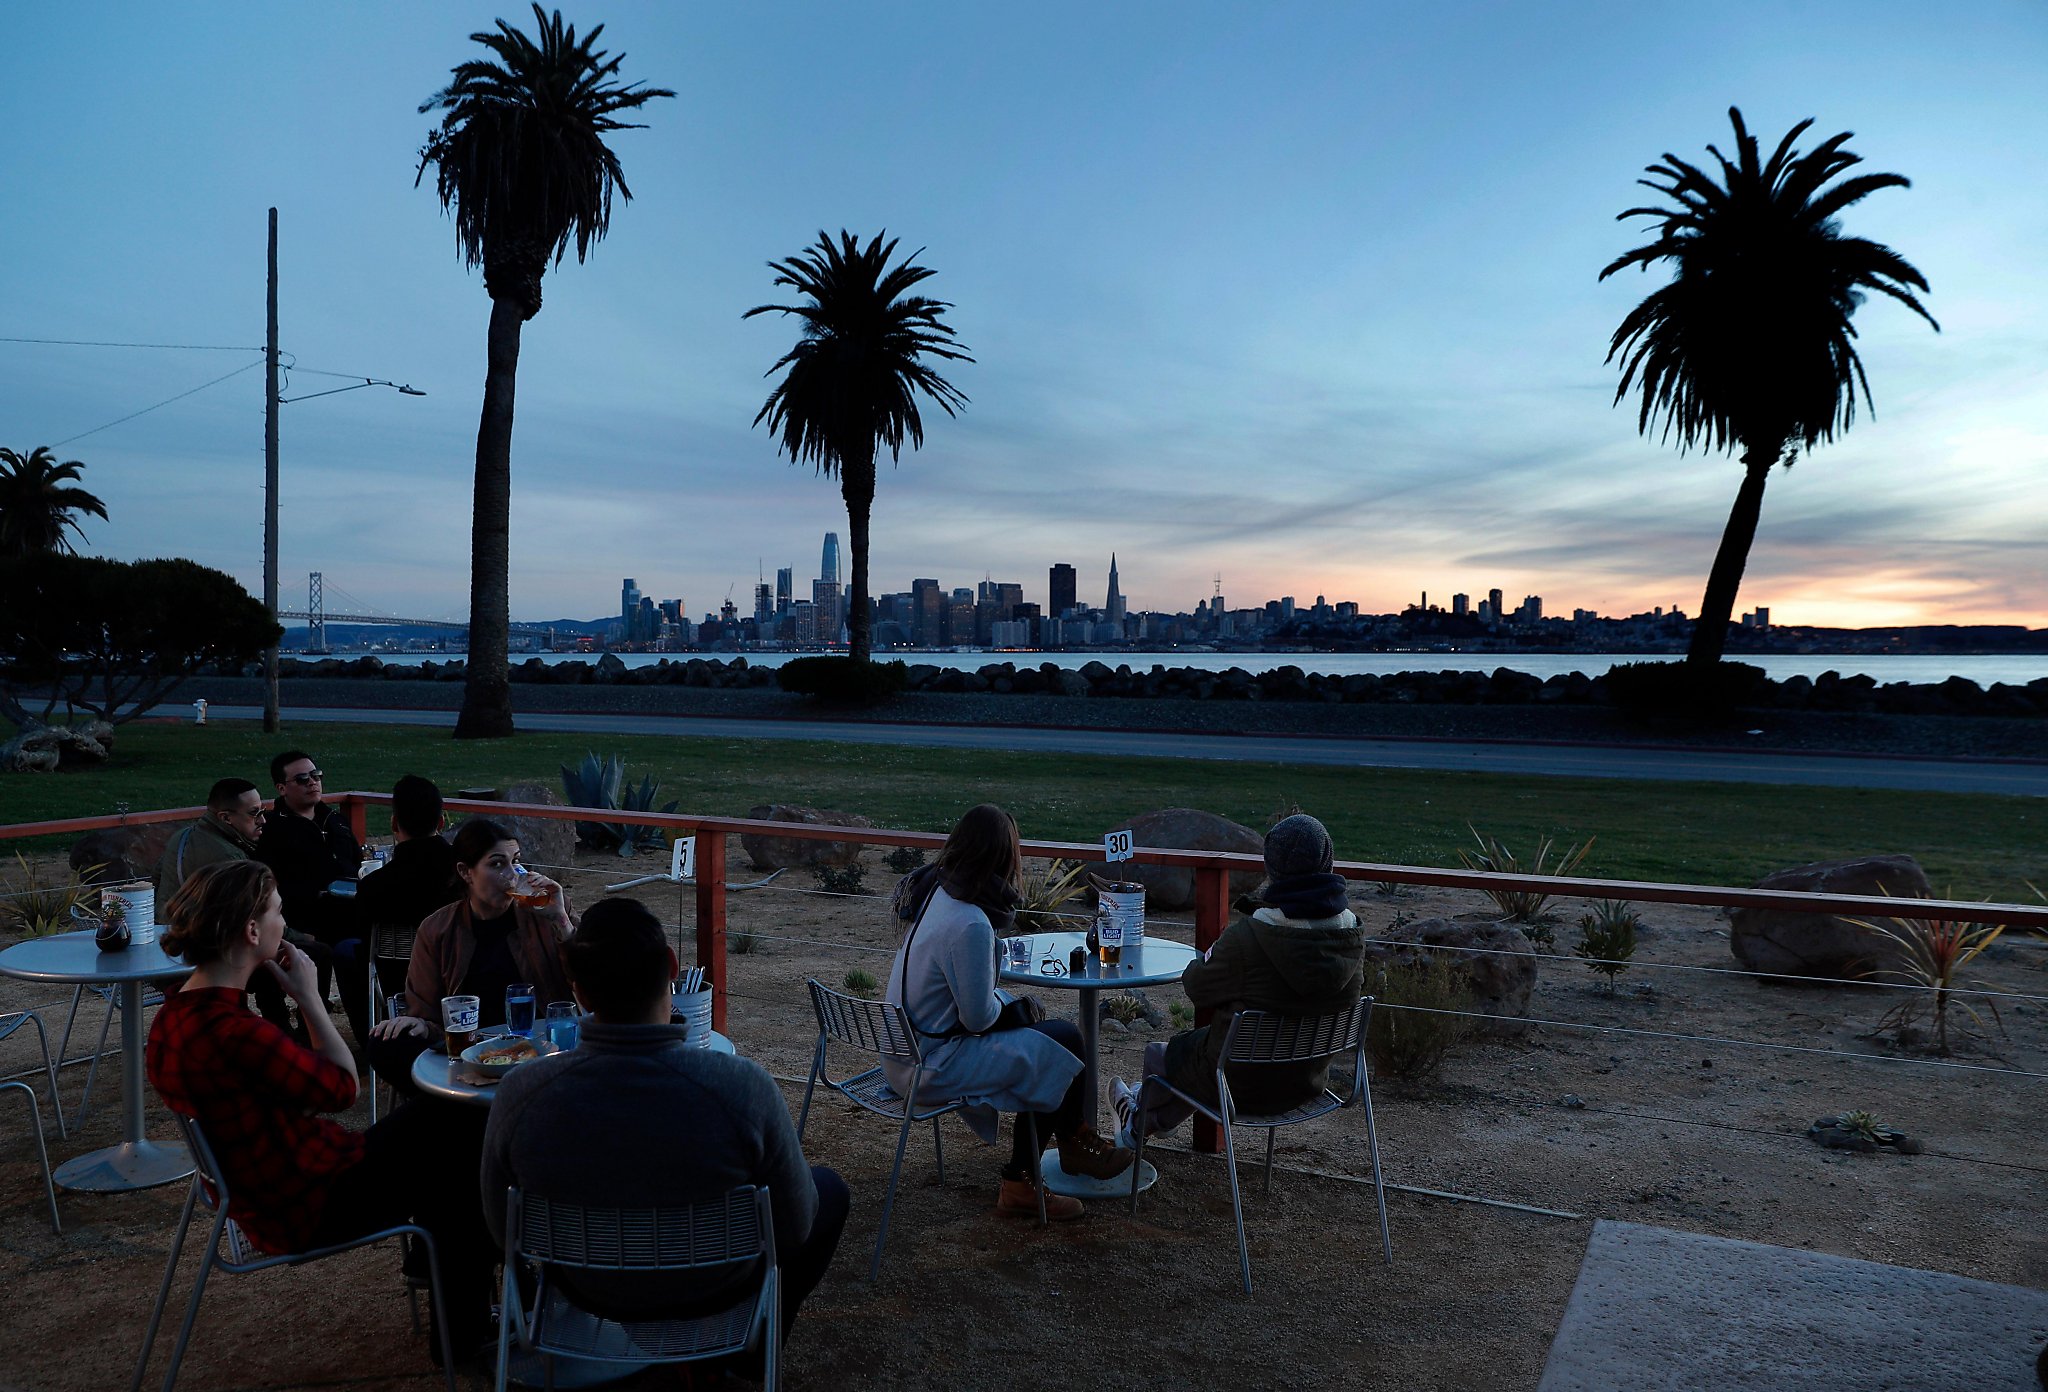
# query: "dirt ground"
{"points": [[1702, 1136]]}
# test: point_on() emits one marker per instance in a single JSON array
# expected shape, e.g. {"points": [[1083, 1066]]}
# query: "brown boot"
{"points": [[1085, 1153], [1020, 1196]]}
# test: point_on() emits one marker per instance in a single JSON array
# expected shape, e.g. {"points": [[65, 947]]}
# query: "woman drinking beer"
{"points": [[477, 946]]}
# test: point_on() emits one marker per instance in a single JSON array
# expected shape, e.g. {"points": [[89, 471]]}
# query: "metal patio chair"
{"points": [[229, 1251], [35, 1117], [1261, 1037], [881, 1030], [385, 942], [14, 1020], [732, 1235]]}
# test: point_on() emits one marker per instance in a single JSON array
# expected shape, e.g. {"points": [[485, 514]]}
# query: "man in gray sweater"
{"points": [[634, 1117]]}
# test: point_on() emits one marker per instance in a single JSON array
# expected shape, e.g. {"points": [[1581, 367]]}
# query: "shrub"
{"points": [[739, 943], [1607, 938], [841, 681], [602, 783], [1524, 906], [842, 879], [1677, 688], [904, 859], [1182, 1014], [1411, 1031], [1123, 1008], [1047, 887], [861, 983], [38, 904], [1935, 950]]}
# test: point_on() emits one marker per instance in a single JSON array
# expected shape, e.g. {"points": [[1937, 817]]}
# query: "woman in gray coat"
{"points": [[981, 1044]]}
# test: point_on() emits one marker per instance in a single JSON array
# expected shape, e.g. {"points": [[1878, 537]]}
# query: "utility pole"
{"points": [[270, 711]]}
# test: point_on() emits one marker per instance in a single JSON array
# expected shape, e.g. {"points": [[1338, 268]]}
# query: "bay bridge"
{"points": [[317, 617]]}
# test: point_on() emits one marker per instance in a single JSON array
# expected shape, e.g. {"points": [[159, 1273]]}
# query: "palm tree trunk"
{"points": [[857, 486], [487, 690], [1710, 634]]}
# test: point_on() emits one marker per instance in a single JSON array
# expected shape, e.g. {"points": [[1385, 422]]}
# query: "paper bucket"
{"points": [[138, 899], [1120, 915], [695, 1008]]}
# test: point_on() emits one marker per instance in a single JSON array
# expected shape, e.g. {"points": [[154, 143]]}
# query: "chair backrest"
{"points": [[213, 1190], [1263, 1036], [393, 941], [874, 1027], [734, 1230]]}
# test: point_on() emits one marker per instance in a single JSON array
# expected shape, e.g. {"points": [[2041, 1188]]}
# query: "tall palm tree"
{"points": [[38, 503], [520, 159], [1749, 348], [855, 376]]}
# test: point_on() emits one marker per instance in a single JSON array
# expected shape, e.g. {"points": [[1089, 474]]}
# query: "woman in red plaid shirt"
{"points": [[296, 1179]]}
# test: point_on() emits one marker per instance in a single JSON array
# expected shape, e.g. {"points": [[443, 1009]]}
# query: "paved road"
{"points": [[1575, 761]]}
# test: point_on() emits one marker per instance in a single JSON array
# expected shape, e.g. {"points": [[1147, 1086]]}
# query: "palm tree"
{"points": [[38, 503], [1749, 348], [855, 376], [521, 161]]}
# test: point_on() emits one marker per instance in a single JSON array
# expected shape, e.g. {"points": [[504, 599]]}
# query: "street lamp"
{"points": [[271, 401]]}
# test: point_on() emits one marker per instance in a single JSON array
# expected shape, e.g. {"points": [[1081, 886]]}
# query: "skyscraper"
{"points": [[930, 603], [764, 609], [1061, 597], [785, 588], [629, 606], [1113, 607], [1495, 613], [828, 567]]}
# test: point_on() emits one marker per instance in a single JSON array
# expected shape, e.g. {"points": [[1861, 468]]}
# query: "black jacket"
{"points": [[418, 879], [307, 855]]}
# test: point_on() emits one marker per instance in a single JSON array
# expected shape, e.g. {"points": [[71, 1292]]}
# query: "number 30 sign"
{"points": [[1116, 846]]}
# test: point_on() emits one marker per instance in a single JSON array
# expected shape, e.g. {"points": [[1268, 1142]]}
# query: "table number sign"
{"points": [[683, 859], [1116, 846]]}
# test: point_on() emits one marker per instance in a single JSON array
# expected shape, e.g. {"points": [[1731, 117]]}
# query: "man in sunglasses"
{"points": [[308, 846]]}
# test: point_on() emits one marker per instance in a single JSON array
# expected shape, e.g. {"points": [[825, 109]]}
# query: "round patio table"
{"points": [[1154, 962], [433, 1073], [73, 959]]}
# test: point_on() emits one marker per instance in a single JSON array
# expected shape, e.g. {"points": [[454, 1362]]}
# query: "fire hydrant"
{"points": [[199, 712]]}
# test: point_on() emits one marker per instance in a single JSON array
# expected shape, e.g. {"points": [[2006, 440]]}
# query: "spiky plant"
{"points": [[1524, 906], [1047, 886], [36, 903], [1607, 938], [1932, 952]]}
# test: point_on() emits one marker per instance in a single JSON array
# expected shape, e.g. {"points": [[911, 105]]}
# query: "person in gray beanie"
{"points": [[1294, 948]]}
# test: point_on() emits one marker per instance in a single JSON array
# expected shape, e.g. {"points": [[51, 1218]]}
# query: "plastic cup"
{"points": [[459, 1015], [563, 1024], [519, 1003], [1019, 953]]}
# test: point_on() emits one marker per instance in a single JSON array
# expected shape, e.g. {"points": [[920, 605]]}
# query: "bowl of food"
{"points": [[500, 1054]]}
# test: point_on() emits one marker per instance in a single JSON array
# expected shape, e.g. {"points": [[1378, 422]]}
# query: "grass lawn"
{"points": [[1976, 846]]}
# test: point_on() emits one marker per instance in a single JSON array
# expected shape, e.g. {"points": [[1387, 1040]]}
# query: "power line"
{"points": [[100, 343], [165, 402]]}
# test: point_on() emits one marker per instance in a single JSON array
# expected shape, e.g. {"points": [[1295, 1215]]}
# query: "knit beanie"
{"points": [[1299, 845]]}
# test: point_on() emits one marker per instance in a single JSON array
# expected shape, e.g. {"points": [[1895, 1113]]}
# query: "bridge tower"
{"points": [[316, 614]]}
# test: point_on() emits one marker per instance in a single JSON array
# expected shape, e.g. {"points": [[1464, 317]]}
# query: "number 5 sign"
{"points": [[683, 861], [1116, 846]]}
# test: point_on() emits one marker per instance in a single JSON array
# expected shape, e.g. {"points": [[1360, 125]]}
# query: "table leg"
{"points": [[1081, 1186], [136, 1163]]}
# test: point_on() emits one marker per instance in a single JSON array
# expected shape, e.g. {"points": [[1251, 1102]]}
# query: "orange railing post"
{"points": [[711, 918], [358, 818], [1212, 911]]}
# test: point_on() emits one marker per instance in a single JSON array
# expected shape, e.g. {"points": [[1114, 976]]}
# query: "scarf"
{"points": [[997, 898], [1300, 897]]}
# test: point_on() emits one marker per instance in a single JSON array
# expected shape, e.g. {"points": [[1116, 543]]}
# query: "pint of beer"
{"points": [[1119, 919], [526, 887], [459, 1022]]}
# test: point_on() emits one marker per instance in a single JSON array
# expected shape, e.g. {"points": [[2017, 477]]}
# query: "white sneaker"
{"points": [[1123, 1099]]}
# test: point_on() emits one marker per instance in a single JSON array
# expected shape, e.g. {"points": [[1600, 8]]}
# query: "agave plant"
{"points": [[36, 904], [1045, 889], [602, 783], [1523, 906], [1932, 951]]}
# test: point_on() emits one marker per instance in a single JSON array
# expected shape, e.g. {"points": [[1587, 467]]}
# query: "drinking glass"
{"points": [[1019, 950], [458, 1022], [525, 887], [562, 1026], [519, 998]]}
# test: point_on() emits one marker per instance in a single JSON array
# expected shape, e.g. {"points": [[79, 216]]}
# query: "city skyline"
{"points": [[1307, 299]]}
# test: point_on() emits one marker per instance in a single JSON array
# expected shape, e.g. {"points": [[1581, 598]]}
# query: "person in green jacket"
{"points": [[1295, 949]]}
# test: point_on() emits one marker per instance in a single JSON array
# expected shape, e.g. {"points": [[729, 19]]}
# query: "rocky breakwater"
{"points": [[1829, 692]]}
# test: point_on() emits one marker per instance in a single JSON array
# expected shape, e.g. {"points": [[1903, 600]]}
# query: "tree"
{"points": [[520, 160], [38, 504], [1749, 348], [115, 638], [855, 375]]}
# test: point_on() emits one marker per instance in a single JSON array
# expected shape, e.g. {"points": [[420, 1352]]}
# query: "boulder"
{"points": [[1186, 829], [1498, 963], [47, 748], [788, 852], [1825, 945], [124, 853], [544, 843]]}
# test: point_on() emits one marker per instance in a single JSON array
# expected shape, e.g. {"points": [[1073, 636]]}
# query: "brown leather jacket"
{"points": [[441, 955]]}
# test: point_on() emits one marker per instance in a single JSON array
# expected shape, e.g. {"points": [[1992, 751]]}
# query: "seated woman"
{"points": [[297, 1180], [476, 946], [1294, 949], [981, 1044]]}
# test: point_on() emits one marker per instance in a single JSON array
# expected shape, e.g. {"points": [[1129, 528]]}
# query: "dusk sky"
{"points": [[1304, 295]]}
